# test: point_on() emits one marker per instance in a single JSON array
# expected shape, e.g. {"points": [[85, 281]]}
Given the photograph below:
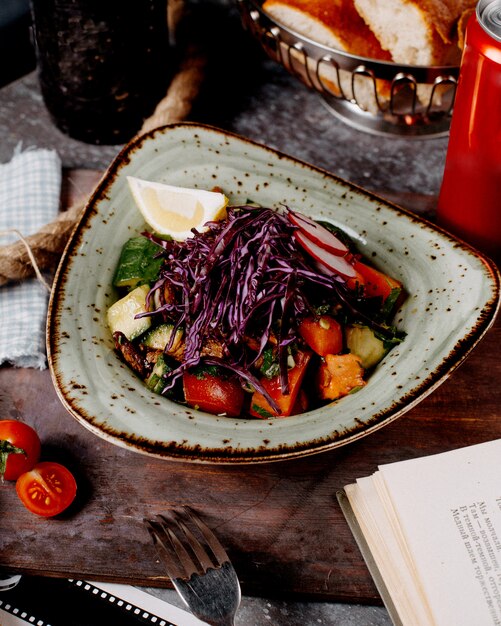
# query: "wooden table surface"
{"points": [[279, 521]]}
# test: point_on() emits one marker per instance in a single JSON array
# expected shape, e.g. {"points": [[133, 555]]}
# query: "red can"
{"points": [[470, 197]]}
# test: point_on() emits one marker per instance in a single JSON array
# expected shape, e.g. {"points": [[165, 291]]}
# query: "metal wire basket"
{"points": [[374, 96]]}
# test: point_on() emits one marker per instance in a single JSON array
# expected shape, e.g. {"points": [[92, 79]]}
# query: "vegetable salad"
{"points": [[265, 314]]}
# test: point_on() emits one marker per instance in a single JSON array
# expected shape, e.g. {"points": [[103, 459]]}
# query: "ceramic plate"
{"points": [[453, 297]]}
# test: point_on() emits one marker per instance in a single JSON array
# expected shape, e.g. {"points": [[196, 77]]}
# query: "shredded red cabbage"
{"points": [[244, 277]]}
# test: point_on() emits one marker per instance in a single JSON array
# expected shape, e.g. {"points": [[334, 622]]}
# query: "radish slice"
{"points": [[337, 264], [317, 233]]}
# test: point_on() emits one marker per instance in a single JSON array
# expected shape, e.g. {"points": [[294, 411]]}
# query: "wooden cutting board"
{"points": [[280, 521]]}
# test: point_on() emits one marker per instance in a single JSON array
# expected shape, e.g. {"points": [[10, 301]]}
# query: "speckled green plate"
{"points": [[453, 299]]}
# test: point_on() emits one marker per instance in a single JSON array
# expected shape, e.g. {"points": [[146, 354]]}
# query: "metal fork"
{"points": [[197, 565]]}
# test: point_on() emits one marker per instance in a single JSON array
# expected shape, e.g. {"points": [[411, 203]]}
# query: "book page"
{"points": [[449, 510], [390, 555]]}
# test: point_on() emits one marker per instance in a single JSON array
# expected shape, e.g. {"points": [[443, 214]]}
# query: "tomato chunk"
{"points": [[301, 404], [19, 448], [376, 282], [213, 394], [358, 282], [324, 335], [260, 407], [47, 489], [338, 375]]}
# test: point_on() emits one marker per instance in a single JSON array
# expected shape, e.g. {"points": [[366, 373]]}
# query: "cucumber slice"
{"points": [[137, 263], [121, 315], [159, 337], [156, 381], [362, 342]]}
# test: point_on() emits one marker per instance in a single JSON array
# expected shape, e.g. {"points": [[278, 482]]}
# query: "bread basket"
{"points": [[378, 97]]}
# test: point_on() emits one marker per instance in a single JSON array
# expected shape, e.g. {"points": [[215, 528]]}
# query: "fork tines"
{"points": [[186, 545]]}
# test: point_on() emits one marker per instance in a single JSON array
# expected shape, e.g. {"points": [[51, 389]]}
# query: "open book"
{"points": [[430, 532]]}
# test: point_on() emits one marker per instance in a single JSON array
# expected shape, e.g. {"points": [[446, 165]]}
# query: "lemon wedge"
{"points": [[175, 211]]}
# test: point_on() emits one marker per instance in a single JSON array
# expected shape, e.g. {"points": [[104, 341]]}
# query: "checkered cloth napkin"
{"points": [[30, 188]]}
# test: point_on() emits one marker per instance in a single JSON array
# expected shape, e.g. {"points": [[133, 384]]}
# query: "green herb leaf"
{"points": [[201, 371], [389, 303], [260, 411], [271, 366]]}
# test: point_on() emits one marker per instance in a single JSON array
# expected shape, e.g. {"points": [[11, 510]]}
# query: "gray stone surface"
{"points": [[265, 612]]}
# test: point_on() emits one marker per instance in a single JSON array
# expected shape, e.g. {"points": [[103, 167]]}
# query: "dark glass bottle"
{"points": [[103, 64]]}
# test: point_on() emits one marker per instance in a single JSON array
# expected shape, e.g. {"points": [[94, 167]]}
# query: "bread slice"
{"points": [[335, 24], [416, 32], [462, 23]]}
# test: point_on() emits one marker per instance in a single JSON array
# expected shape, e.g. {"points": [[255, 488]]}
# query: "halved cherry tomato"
{"points": [[324, 335], [376, 283], [19, 448], [260, 407], [213, 394], [47, 489]]}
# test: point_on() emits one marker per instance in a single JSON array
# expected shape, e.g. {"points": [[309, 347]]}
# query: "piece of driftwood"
{"points": [[46, 246]]}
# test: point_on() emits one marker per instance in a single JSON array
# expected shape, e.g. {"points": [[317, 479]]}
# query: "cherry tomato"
{"points": [[47, 489], [19, 448], [323, 335], [213, 394]]}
